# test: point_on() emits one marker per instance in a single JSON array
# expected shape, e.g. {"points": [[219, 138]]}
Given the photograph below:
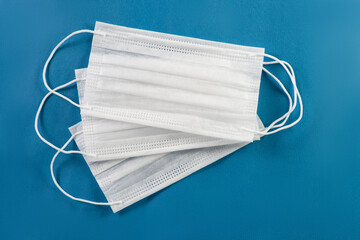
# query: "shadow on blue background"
{"points": [[302, 183]]}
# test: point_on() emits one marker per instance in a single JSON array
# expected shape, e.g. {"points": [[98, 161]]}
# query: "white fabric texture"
{"points": [[132, 179], [110, 139], [188, 85]]}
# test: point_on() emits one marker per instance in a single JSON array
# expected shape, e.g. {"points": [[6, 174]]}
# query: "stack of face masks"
{"points": [[157, 107]]}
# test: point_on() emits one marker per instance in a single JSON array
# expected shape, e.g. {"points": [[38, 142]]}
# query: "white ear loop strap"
{"points": [[284, 118], [292, 106], [52, 55], [62, 190], [53, 91], [291, 74], [38, 114]]}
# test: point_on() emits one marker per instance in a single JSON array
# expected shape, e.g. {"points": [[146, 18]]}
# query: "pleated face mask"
{"points": [[126, 181], [110, 139], [145, 86], [189, 85]]}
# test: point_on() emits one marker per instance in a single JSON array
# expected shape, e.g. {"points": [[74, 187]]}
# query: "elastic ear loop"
{"points": [[52, 55], [291, 106], [66, 193], [67, 152], [286, 65], [285, 116], [280, 126], [53, 91], [37, 120]]}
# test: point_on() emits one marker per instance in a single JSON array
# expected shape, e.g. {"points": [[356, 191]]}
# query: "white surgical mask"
{"points": [[214, 76], [110, 139], [175, 83], [132, 179], [188, 85]]}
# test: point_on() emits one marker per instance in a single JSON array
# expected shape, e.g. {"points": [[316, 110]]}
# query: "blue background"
{"points": [[302, 183]]}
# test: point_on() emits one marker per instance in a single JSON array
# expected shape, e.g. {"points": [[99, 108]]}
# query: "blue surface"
{"points": [[303, 183]]}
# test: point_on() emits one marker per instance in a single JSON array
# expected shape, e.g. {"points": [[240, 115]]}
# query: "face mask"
{"points": [[123, 180], [133, 179], [126, 181], [188, 85], [110, 139], [196, 59], [178, 88]]}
